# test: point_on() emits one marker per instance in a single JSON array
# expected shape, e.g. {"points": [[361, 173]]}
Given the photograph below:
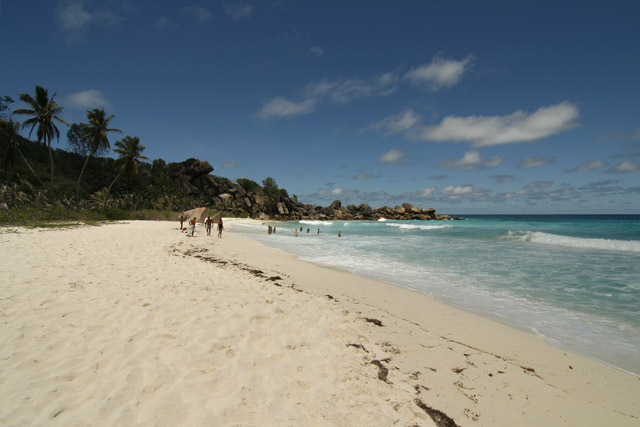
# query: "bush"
{"points": [[115, 214]]}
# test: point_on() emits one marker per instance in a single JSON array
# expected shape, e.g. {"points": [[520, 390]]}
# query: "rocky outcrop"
{"points": [[194, 177]]}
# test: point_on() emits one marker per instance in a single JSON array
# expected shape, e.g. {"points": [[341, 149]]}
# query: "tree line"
{"points": [[42, 116]]}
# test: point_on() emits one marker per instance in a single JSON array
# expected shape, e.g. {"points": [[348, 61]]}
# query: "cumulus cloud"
{"points": [[199, 13], [87, 99], [484, 131], [398, 123], [392, 156], [426, 193], [238, 11], [470, 160], [626, 167], [439, 73], [280, 107], [532, 162], [457, 190], [589, 166]]}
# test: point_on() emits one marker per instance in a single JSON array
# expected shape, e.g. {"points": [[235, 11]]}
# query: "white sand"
{"points": [[139, 324]]}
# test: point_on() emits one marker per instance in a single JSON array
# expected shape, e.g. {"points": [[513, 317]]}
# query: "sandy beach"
{"points": [[136, 323]]}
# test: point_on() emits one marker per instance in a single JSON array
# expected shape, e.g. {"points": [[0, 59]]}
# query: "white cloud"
{"points": [[392, 156], [440, 73], [238, 11], [457, 190], [87, 99], [484, 131], [426, 193], [346, 90], [626, 167], [336, 191], [316, 50], [281, 107], [470, 160], [532, 162], [588, 166], [73, 19], [398, 123], [337, 91], [199, 13], [230, 164], [72, 16]]}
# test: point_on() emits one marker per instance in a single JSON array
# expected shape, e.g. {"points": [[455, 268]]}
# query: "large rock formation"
{"points": [[193, 176]]}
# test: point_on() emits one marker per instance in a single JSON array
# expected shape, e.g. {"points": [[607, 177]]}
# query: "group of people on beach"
{"points": [[208, 223], [271, 230]]}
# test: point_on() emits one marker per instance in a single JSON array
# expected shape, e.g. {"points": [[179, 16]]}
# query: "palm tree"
{"points": [[95, 133], [10, 128], [44, 112], [130, 151]]}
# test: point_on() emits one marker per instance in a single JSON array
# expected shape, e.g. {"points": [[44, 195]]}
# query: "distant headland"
{"points": [[194, 177]]}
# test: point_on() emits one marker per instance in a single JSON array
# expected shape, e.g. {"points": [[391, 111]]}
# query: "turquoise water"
{"points": [[574, 280]]}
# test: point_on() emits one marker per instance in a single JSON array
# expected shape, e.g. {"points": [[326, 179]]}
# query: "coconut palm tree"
{"points": [[130, 151], [95, 133], [45, 112], [10, 129]]}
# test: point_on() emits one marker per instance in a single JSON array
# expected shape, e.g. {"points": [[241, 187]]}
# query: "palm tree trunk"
{"points": [[106, 193], [51, 161], [30, 168], [80, 178]]}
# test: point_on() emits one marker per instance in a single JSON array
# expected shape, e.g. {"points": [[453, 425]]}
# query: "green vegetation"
{"points": [[271, 188], [95, 136], [247, 184], [44, 115], [87, 185]]}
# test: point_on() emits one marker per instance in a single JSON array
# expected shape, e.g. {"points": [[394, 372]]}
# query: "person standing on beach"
{"points": [[181, 221], [220, 227], [192, 223], [207, 224]]}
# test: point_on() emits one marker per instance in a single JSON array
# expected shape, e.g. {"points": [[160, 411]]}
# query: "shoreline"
{"points": [[628, 365], [136, 322]]}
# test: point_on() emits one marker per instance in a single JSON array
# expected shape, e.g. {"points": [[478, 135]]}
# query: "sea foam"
{"points": [[316, 222], [574, 242], [417, 227]]}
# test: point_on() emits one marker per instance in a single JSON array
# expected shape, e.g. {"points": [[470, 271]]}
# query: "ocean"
{"points": [[572, 279]]}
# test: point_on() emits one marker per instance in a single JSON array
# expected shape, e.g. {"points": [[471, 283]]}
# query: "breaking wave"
{"points": [[574, 242], [316, 222], [417, 227]]}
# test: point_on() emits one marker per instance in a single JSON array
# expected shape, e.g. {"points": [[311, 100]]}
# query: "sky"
{"points": [[463, 106]]}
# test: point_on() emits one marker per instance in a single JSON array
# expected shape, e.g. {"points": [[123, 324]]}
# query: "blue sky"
{"points": [[464, 106]]}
